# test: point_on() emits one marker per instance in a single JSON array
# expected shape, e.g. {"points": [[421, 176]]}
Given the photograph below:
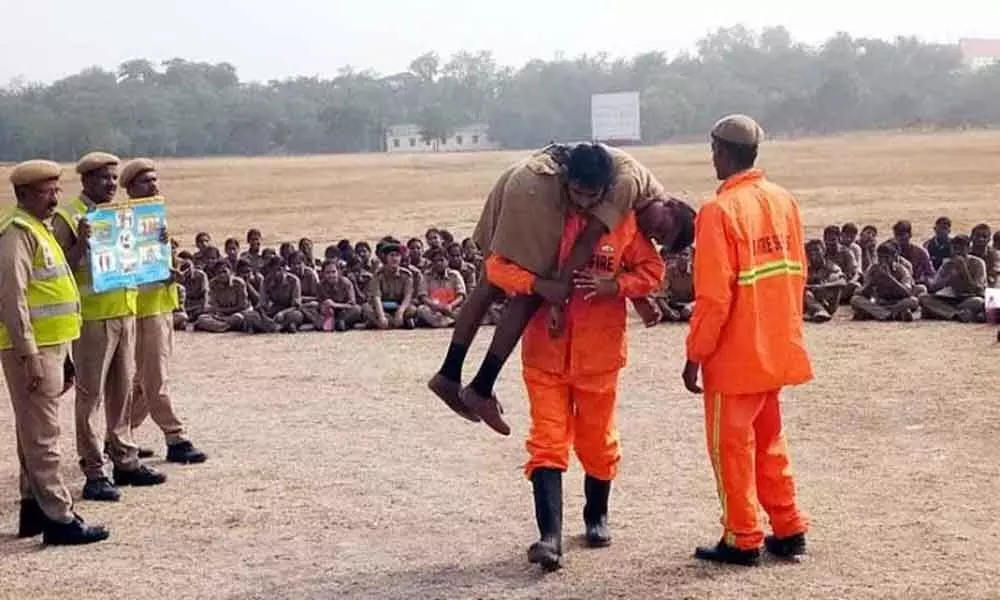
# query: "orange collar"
{"points": [[741, 178]]}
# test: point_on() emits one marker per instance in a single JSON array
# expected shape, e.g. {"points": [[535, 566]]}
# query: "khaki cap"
{"points": [[133, 169], [738, 129], [96, 160], [34, 171]]}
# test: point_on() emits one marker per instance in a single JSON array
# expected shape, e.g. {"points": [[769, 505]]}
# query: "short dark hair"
{"points": [[272, 263], [344, 245], [231, 241], [435, 253], [590, 165], [432, 230], [831, 230], [361, 245], [982, 227], [961, 239], [849, 228], [414, 240], [889, 247], [446, 236], [744, 156], [202, 234], [902, 227], [870, 228], [185, 254], [297, 255], [814, 243], [943, 221], [253, 232], [242, 263], [685, 226], [448, 247]]}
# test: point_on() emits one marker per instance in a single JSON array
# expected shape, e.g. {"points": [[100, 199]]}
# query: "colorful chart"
{"points": [[125, 245]]}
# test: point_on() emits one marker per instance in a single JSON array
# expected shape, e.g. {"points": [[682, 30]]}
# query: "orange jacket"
{"points": [[749, 263], [594, 340]]}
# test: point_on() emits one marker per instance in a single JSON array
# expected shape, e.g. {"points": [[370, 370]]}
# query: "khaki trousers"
{"points": [[36, 423], [105, 368], [947, 309], [150, 396]]}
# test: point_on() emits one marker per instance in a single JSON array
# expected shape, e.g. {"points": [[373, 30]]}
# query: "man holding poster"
{"points": [[105, 351]]}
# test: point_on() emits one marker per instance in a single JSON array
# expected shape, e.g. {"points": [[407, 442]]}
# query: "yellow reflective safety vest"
{"points": [[53, 300], [106, 305], [157, 299]]}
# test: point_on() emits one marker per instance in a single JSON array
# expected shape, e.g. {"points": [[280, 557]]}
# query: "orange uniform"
{"points": [[747, 335], [572, 380]]}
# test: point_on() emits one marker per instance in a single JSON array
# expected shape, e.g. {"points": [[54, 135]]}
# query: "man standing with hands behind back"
{"points": [[746, 338]]}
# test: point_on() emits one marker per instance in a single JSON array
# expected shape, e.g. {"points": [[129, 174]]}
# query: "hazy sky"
{"points": [[42, 40]]}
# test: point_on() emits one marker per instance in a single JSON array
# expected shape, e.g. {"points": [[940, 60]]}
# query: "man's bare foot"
{"points": [[488, 409], [448, 391]]}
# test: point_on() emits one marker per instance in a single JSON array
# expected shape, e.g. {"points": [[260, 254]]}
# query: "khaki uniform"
{"points": [[180, 316], [256, 260], [228, 306], [105, 368], [390, 287], [280, 305], [36, 413], [956, 300], [309, 281], [150, 393], [878, 302], [676, 300], [991, 256], [820, 303], [849, 266], [195, 284], [445, 290], [525, 212], [339, 292]]}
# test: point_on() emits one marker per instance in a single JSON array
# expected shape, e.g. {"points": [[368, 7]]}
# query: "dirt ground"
{"points": [[333, 473]]}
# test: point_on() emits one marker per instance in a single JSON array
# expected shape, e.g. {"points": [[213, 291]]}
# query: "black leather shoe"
{"points": [[32, 520], [595, 512], [101, 490], [74, 533], [184, 453], [141, 477], [726, 554], [788, 548], [547, 551]]}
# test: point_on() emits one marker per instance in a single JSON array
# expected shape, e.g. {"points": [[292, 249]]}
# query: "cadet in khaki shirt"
{"points": [[456, 261], [443, 293], [958, 292], [391, 291], [299, 266], [889, 293], [825, 284], [677, 300], [337, 308], [105, 352], [280, 301], [253, 279], [991, 256], [195, 284], [253, 254], [843, 257], [180, 314], [228, 303], [35, 347]]}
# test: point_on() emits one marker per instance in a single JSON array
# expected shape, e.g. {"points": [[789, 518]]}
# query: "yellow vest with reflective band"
{"points": [[156, 299], [95, 307], [53, 300]]}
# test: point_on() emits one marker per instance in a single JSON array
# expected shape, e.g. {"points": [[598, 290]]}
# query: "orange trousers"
{"points": [[577, 411], [751, 463]]}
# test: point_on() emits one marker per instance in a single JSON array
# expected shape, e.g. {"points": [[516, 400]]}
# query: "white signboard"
{"points": [[615, 117]]}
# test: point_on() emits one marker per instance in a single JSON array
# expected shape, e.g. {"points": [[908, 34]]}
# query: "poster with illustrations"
{"points": [[125, 246]]}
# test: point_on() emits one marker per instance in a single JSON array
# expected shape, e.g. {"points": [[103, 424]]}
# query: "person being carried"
{"points": [[889, 293], [338, 308], [391, 292], [522, 221], [825, 284], [677, 299], [958, 293], [443, 294]]}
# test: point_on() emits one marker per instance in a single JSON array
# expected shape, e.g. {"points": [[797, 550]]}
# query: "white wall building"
{"points": [[980, 52], [470, 138]]}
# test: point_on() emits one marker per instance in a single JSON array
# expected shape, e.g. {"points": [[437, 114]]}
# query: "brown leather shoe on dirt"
{"points": [[488, 409], [448, 391]]}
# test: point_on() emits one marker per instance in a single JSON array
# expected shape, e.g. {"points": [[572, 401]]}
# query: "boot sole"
{"points": [[79, 542], [545, 557], [187, 461]]}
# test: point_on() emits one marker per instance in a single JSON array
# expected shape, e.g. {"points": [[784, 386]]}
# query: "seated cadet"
{"points": [[363, 251], [443, 294], [195, 284], [825, 283], [209, 257], [308, 257], [360, 277], [433, 238], [391, 292], [228, 302], [922, 269], [345, 248], [253, 279], [849, 240], [446, 237], [331, 254], [285, 251], [253, 254], [889, 293], [298, 265], [996, 240], [180, 315], [456, 261], [991, 256], [202, 241], [958, 292], [868, 243], [415, 254], [266, 254], [939, 246], [676, 302], [232, 250], [418, 273], [280, 301], [338, 308], [843, 257]]}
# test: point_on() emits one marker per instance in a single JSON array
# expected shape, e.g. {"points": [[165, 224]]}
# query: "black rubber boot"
{"points": [[595, 512], [547, 551], [32, 520], [730, 555], [185, 453], [74, 533], [787, 548]]}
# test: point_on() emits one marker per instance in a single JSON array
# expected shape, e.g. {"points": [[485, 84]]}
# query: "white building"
{"points": [[470, 138], [980, 52]]}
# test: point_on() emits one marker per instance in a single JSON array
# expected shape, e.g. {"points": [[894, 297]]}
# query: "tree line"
{"points": [[185, 108]]}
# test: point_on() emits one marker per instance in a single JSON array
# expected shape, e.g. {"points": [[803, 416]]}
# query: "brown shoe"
{"points": [[488, 409], [449, 391]]}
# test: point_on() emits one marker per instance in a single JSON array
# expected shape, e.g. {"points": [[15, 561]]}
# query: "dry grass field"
{"points": [[333, 473]]}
